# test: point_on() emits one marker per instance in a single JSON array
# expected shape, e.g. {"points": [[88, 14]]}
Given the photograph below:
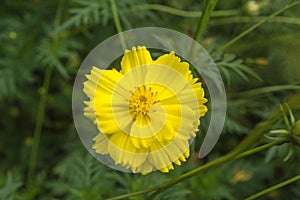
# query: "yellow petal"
{"points": [[108, 81], [177, 162], [99, 87], [141, 142], [89, 111], [134, 58], [166, 134], [145, 168], [100, 145], [175, 149], [175, 152], [104, 115], [164, 170], [123, 152], [92, 82], [187, 153], [183, 119], [170, 167], [159, 160], [174, 61]]}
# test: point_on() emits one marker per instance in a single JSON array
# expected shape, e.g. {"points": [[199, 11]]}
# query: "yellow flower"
{"points": [[147, 112]]}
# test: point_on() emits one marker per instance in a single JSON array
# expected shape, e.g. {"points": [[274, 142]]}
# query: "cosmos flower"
{"points": [[147, 112]]}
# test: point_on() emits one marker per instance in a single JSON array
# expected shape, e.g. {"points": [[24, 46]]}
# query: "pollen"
{"points": [[141, 101]]}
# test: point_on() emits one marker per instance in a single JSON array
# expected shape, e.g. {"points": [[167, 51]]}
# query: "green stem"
{"points": [[257, 132], [246, 19], [262, 127], [226, 158], [261, 148], [182, 13], [244, 33], [39, 122], [208, 9], [275, 187], [268, 89], [117, 22], [42, 105]]}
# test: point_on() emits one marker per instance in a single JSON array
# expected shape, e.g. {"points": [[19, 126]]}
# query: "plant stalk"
{"points": [[208, 9], [42, 105], [226, 158], [182, 13], [255, 26], [273, 188], [247, 19], [39, 123], [117, 23]]}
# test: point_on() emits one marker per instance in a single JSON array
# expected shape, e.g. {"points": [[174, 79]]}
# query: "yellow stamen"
{"points": [[141, 101]]}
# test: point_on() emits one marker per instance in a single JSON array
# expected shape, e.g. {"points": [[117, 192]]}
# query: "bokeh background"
{"points": [[42, 46]]}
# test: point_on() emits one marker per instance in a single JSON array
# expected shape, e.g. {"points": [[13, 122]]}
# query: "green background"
{"points": [[42, 46]]}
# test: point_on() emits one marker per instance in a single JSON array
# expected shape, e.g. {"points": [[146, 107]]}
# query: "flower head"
{"points": [[146, 112]]}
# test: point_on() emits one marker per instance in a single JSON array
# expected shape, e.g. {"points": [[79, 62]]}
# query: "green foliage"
{"points": [[51, 52], [230, 67], [260, 72], [81, 177], [9, 188], [85, 13]]}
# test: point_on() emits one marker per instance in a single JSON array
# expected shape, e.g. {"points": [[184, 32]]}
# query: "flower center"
{"points": [[141, 101]]}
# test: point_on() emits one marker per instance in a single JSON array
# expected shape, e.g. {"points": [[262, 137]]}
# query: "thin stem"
{"points": [[268, 89], [275, 187], [117, 22], [208, 9], [247, 31], [246, 19], [182, 13], [39, 123], [261, 148], [257, 132], [226, 158], [42, 105]]}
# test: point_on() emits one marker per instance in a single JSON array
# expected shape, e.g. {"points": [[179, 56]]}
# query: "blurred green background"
{"points": [[42, 46]]}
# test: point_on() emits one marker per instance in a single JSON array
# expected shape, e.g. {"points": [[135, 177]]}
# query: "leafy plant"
{"points": [[255, 48]]}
